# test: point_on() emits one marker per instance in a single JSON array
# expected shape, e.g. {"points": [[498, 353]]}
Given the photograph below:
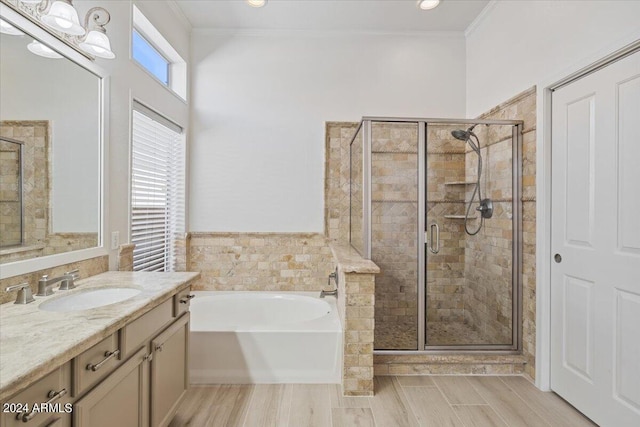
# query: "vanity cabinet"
{"points": [[134, 377]]}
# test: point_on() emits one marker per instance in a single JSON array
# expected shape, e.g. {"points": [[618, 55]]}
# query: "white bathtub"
{"points": [[264, 338]]}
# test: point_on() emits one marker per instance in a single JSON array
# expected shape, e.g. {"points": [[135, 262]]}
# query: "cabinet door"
{"points": [[169, 371], [120, 400]]}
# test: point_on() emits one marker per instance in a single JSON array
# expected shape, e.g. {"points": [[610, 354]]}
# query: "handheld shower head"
{"points": [[460, 134], [463, 135]]}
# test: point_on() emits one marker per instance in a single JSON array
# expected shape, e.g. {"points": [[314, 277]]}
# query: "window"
{"points": [[157, 190], [150, 58], [155, 54]]}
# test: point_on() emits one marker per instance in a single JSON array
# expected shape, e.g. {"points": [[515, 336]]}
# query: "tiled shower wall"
{"points": [[520, 107], [394, 227], [445, 270]]}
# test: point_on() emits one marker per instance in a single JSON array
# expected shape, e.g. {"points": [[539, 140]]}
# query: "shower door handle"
{"points": [[435, 249]]}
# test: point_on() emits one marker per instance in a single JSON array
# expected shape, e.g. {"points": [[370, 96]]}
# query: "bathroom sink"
{"points": [[90, 298]]}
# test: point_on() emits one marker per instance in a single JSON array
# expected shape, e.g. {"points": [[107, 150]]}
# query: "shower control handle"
{"points": [[434, 249]]}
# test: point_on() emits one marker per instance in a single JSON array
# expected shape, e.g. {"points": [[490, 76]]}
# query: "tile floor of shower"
{"points": [[437, 334], [491, 401]]}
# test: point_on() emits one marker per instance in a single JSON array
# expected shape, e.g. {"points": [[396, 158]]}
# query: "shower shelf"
{"points": [[459, 183], [458, 217]]}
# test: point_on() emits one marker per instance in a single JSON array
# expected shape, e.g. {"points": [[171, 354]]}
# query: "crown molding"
{"points": [[481, 17], [179, 13], [324, 33]]}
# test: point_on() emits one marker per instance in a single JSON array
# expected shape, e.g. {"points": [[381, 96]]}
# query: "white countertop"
{"points": [[34, 342]]}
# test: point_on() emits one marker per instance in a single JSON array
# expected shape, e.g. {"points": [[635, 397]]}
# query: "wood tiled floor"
{"points": [[437, 401]]}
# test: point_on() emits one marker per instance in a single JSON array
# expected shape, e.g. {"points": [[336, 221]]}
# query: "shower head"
{"points": [[463, 135]]}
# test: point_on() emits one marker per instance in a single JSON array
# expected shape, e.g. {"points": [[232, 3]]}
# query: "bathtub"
{"points": [[264, 338]]}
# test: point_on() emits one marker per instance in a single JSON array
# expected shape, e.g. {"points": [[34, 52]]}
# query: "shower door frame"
{"points": [[516, 273]]}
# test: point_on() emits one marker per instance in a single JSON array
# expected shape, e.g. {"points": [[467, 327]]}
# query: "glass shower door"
{"points": [[468, 267]]}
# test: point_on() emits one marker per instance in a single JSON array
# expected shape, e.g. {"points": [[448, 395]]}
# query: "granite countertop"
{"points": [[34, 342]]}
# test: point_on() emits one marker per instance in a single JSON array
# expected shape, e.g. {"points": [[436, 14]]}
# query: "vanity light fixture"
{"points": [[62, 16], [6, 28], [96, 41], [257, 3], [42, 50], [428, 4]]}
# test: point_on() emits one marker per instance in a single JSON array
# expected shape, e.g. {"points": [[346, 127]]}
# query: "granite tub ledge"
{"points": [[351, 261], [35, 342]]}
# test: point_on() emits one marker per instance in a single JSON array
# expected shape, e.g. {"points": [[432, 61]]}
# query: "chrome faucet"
{"points": [[66, 283], [24, 293], [334, 292]]}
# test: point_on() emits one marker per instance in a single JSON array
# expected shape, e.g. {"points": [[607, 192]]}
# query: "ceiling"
{"points": [[332, 15]]}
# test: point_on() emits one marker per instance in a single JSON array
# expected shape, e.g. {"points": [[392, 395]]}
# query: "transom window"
{"points": [[149, 57]]}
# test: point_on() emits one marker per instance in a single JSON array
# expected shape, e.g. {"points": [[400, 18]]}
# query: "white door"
{"points": [[595, 274]]}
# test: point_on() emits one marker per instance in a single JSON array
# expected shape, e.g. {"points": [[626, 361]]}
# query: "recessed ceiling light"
{"points": [[257, 3], [428, 4]]}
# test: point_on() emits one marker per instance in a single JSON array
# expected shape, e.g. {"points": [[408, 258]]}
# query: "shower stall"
{"points": [[436, 204]]}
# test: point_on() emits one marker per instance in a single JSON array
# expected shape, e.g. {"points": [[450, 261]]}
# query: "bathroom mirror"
{"points": [[51, 115]]}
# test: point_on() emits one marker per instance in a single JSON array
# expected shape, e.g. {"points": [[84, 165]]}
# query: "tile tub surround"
{"points": [[356, 299], [260, 261], [89, 267], [34, 341]]}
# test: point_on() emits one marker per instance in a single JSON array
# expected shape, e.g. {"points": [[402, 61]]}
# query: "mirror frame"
{"points": [[34, 264]]}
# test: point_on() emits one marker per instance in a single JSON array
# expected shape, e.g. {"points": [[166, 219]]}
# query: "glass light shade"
{"points": [[63, 17], [97, 44], [6, 28], [428, 4], [42, 50], [256, 3]]}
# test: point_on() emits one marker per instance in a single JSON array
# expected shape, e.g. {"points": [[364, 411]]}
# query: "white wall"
{"points": [[518, 44], [68, 97], [129, 81], [260, 100]]}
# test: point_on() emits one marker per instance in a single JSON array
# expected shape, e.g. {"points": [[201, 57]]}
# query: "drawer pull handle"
{"points": [[107, 356], [185, 300], [52, 395]]}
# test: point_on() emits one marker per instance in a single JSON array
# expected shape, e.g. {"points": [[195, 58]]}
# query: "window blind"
{"points": [[157, 190]]}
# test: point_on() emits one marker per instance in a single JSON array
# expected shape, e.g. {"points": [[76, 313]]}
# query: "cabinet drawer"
{"points": [[41, 392], [136, 333], [95, 364], [181, 302]]}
